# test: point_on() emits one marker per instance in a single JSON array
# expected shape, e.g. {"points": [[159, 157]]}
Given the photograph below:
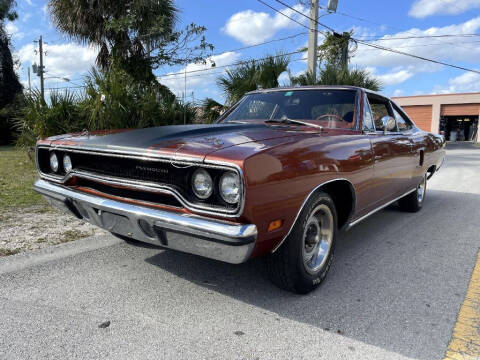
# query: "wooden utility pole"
{"points": [[313, 39], [41, 69], [185, 97]]}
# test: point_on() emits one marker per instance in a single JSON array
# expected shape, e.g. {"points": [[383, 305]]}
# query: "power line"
{"points": [[262, 43], [421, 37], [211, 70], [383, 47], [434, 44], [308, 17], [396, 28], [417, 56], [181, 74], [288, 17], [223, 52], [233, 64]]}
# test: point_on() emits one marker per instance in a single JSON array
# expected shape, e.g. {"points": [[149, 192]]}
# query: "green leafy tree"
{"points": [[331, 75], [38, 118], [113, 100], [334, 55], [337, 50], [252, 75], [10, 87], [211, 110], [135, 35], [7, 11]]}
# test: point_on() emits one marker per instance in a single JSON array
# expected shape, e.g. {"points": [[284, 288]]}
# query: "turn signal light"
{"points": [[274, 225]]}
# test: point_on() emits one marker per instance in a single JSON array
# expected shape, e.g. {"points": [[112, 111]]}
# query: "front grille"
{"points": [[132, 169], [144, 196], [176, 177]]}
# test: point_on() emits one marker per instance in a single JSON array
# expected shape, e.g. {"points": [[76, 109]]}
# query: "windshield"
{"points": [[328, 108]]}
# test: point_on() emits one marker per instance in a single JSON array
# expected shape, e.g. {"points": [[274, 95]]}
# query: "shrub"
{"points": [[38, 119], [114, 100], [110, 100]]}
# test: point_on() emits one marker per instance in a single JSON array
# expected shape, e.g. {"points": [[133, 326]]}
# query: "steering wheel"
{"points": [[330, 117]]}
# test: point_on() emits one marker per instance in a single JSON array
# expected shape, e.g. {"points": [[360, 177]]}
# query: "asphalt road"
{"points": [[394, 292]]}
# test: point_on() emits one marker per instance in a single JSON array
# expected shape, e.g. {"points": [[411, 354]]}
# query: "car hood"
{"points": [[182, 141]]}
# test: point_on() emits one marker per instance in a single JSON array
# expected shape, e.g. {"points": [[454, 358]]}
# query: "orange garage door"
{"points": [[460, 110], [421, 115]]}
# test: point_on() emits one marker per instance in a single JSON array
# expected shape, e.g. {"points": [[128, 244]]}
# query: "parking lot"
{"points": [[394, 292]]}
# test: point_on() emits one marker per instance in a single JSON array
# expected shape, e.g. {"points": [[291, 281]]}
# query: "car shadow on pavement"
{"points": [[395, 283]]}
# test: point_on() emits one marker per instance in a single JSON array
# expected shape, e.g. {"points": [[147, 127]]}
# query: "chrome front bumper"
{"points": [[211, 238]]}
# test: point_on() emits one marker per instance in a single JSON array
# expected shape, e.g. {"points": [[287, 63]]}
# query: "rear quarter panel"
{"points": [[433, 148]]}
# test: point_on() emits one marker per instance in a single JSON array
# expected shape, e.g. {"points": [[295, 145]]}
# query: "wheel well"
{"points": [[343, 196], [431, 170]]}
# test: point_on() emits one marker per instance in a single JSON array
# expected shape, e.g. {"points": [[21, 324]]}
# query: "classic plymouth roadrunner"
{"points": [[278, 174]]}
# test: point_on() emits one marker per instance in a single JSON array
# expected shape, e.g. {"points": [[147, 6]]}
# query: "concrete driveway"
{"points": [[394, 292]]}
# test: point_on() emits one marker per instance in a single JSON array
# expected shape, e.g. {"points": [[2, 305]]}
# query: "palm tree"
{"points": [[235, 83], [211, 110], [332, 75], [252, 75], [121, 29]]}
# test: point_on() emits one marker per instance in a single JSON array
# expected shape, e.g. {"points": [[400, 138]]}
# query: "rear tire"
{"points": [[413, 202], [303, 260]]}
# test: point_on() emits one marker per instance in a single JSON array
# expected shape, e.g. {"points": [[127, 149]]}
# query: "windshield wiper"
{"points": [[285, 120]]}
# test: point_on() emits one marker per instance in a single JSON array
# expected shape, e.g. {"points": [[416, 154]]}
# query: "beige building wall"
{"points": [[436, 101]]}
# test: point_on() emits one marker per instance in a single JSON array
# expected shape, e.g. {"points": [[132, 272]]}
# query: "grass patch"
{"points": [[72, 235], [7, 252], [18, 174]]}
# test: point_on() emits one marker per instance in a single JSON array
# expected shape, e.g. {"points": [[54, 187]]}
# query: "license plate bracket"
{"points": [[117, 224]]}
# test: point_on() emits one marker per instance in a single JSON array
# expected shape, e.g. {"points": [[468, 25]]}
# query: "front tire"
{"points": [[303, 260], [413, 202]]}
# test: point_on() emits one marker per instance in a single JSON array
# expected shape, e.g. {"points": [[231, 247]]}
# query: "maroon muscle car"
{"points": [[278, 175]]}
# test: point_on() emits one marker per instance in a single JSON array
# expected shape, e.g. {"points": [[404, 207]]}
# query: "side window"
{"points": [[380, 108], [403, 123], [368, 124]]}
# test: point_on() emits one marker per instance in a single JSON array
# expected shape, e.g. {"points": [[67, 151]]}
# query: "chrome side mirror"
{"points": [[388, 123]]}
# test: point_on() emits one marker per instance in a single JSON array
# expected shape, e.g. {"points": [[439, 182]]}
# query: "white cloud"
{"points": [[424, 8], [467, 82], [29, 2], [252, 27], [13, 31], [446, 49], [398, 92], [64, 60], [284, 79], [198, 79], [395, 77], [26, 17]]}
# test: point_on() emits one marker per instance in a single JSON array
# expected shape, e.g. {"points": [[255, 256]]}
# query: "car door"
{"points": [[417, 140], [392, 154]]}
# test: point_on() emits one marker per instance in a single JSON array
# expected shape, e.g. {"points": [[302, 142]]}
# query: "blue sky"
{"points": [[235, 24]]}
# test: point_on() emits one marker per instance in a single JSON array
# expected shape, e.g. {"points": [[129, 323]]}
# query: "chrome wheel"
{"points": [[421, 189], [317, 238]]}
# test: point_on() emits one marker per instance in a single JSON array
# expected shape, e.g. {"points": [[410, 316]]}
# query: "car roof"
{"points": [[314, 87]]}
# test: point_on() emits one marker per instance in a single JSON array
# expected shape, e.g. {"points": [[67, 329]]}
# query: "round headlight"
{"points": [[202, 184], [230, 187], [67, 163], [53, 162]]}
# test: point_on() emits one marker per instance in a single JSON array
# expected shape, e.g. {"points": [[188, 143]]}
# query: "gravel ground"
{"points": [[38, 227]]}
